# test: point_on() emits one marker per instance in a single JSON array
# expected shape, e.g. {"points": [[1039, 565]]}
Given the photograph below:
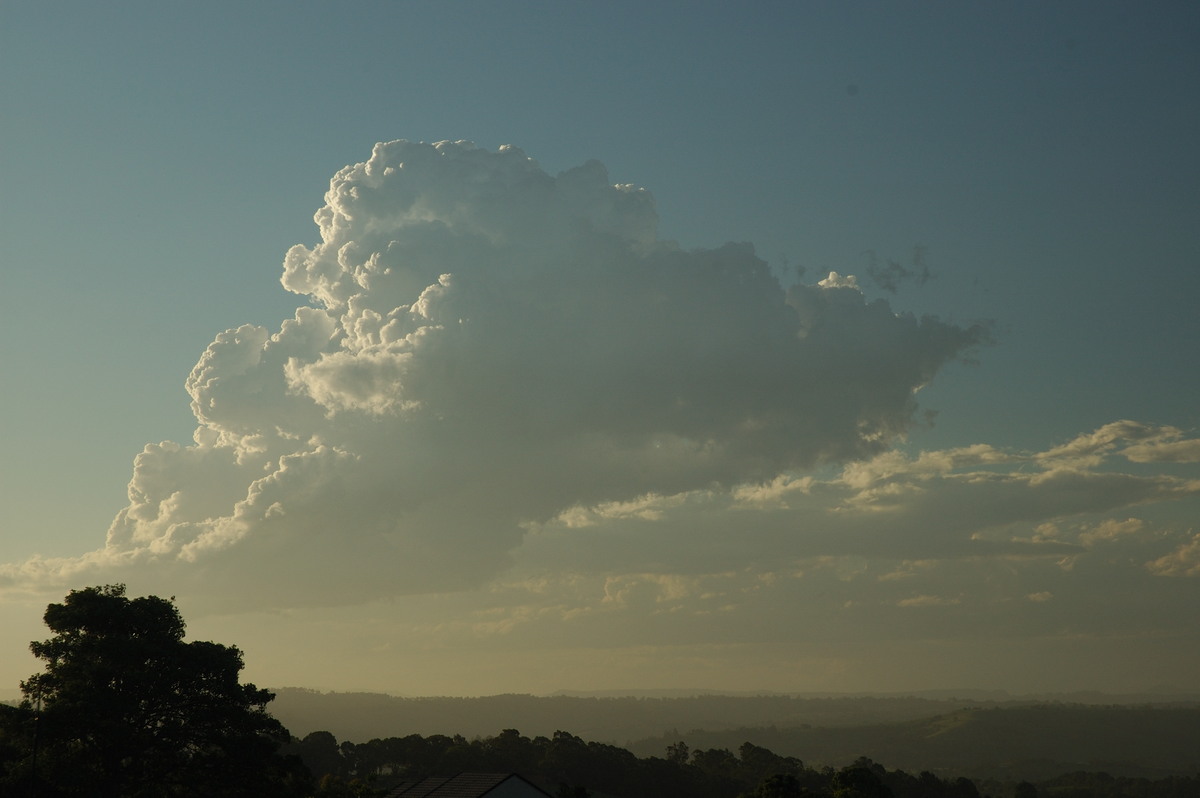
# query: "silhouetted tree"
{"points": [[129, 710], [570, 791], [320, 753], [863, 779], [1026, 790], [678, 753], [331, 786], [780, 785], [757, 764]]}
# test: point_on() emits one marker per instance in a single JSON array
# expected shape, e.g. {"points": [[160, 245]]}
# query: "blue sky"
{"points": [[158, 162]]}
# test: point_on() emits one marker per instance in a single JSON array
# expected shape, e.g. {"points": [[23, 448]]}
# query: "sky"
{"points": [[464, 348]]}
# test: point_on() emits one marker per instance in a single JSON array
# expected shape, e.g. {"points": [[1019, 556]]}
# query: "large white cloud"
{"points": [[507, 418], [486, 348]]}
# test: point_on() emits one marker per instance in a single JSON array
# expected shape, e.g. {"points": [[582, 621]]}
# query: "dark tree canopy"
{"points": [[129, 709]]}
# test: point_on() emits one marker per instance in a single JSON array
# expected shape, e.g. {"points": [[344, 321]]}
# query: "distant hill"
{"points": [[1009, 740], [359, 717], [1003, 743]]}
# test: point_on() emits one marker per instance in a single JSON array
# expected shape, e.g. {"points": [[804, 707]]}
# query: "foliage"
{"points": [[570, 766], [567, 765], [861, 780], [1103, 785], [126, 708], [331, 786], [1010, 743]]}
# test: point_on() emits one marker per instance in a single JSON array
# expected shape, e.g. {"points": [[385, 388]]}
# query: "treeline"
{"points": [[569, 767], [1010, 743], [1102, 785]]}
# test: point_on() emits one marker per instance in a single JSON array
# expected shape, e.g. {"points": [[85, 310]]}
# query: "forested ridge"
{"points": [[946, 736], [1011, 742], [569, 767]]}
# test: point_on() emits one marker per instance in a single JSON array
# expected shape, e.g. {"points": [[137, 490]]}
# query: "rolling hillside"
{"points": [[955, 737], [1030, 742]]}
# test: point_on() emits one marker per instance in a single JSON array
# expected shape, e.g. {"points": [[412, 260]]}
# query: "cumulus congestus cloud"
{"points": [[484, 346]]}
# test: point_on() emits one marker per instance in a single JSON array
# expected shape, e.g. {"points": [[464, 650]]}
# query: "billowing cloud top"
{"points": [[484, 347]]}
